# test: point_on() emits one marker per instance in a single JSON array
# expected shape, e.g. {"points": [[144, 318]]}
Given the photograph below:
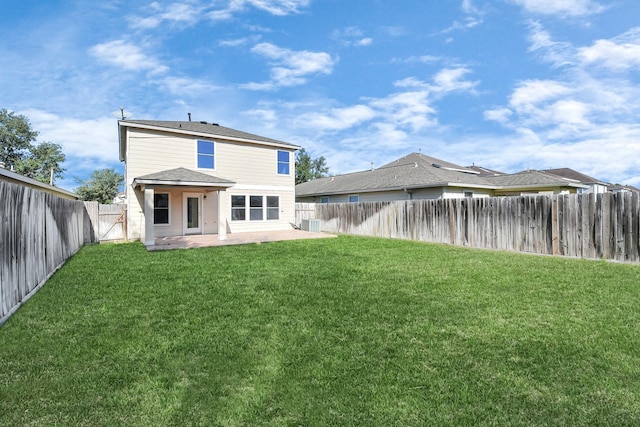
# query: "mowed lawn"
{"points": [[346, 331]]}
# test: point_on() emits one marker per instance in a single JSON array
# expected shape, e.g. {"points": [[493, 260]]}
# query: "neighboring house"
{"points": [[533, 182], [417, 176], [120, 198], [617, 188], [184, 178], [595, 186], [16, 178]]}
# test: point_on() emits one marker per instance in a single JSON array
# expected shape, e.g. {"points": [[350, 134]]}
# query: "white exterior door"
{"points": [[192, 213]]}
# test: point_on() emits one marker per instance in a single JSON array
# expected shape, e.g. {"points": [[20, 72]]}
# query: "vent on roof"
{"points": [[203, 122], [435, 165]]}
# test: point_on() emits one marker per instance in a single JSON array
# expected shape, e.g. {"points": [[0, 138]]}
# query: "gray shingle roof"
{"points": [[573, 174], [412, 171], [204, 128], [182, 176], [420, 171], [530, 178]]}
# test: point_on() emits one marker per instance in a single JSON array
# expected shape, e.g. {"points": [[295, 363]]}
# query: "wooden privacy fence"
{"points": [[602, 226], [38, 232], [108, 223]]}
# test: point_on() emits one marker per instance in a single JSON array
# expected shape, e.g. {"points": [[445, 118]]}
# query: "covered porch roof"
{"points": [[181, 177]]}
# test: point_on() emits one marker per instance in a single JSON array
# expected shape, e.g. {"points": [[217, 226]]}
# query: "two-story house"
{"points": [[185, 178]]}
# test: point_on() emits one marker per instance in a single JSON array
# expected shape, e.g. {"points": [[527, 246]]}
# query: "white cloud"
{"points": [[558, 53], [500, 115], [530, 93], [561, 8], [585, 117], [174, 13], [339, 118], [239, 42], [407, 109], [187, 86], [94, 138], [127, 56], [445, 81], [190, 13], [351, 36], [451, 79], [469, 7], [276, 7], [618, 54], [289, 67]]}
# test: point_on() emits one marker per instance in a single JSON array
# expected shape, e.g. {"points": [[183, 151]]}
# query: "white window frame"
{"points": [[232, 208], [288, 153], [157, 193], [267, 208], [247, 207], [260, 208], [214, 155]]}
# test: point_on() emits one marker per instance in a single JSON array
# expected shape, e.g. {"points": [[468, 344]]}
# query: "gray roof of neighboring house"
{"points": [[412, 171], [532, 178], [419, 171], [482, 171], [203, 129], [182, 177], [573, 174]]}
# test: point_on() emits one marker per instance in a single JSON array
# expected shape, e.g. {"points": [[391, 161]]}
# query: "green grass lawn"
{"points": [[346, 331]]}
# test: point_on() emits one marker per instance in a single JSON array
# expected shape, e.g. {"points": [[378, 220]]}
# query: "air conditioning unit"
{"points": [[311, 225]]}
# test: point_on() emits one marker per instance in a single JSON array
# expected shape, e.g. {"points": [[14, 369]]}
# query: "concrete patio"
{"points": [[204, 240]]}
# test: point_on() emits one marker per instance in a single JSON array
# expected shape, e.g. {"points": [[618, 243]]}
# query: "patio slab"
{"points": [[204, 240]]}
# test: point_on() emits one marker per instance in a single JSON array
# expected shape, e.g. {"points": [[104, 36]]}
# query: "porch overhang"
{"points": [[181, 177], [178, 178]]}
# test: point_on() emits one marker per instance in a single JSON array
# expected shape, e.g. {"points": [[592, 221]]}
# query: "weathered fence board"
{"points": [[38, 232], [593, 226]]}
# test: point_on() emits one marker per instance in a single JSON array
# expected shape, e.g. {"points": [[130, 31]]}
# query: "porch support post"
{"points": [[149, 238], [222, 218]]}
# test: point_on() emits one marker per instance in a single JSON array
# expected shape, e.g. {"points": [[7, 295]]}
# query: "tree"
{"points": [[16, 137], [308, 168], [17, 149], [40, 161], [101, 187]]}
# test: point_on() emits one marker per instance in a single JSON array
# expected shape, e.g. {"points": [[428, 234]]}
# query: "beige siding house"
{"points": [[417, 176], [184, 178]]}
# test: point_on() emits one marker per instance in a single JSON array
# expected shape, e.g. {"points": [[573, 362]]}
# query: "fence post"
{"points": [[555, 232]]}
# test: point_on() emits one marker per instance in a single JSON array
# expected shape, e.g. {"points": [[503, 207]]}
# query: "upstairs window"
{"points": [[283, 162], [206, 155]]}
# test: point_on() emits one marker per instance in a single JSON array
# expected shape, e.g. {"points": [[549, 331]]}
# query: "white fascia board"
{"points": [[155, 182]]}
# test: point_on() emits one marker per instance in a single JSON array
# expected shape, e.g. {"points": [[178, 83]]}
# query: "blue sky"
{"points": [[506, 84]]}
